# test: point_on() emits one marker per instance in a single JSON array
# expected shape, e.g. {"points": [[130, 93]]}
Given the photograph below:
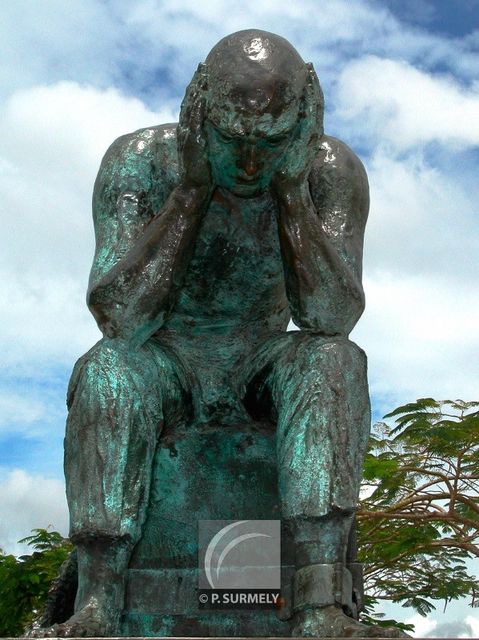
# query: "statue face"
{"points": [[255, 84], [246, 149]]}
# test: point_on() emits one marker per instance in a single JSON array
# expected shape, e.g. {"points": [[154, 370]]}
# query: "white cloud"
{"points": [[473, 622], [458, 628], [43, 320], [420, 334], [442, 624], [455, 621], [29, 501], [336, 21], [328, 33], [422, 625], [403, 106], [423, 220], [69, 125], [14, 410], [57, 40]]}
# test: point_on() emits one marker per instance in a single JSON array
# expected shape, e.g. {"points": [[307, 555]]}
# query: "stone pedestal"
{"points": [[206, 472]]}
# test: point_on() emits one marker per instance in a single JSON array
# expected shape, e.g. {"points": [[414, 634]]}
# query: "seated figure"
{"points": [[210, 236]]}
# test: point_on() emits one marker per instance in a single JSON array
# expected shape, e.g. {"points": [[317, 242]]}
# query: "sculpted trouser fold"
{"points": [[119, 400], [319, 392]]}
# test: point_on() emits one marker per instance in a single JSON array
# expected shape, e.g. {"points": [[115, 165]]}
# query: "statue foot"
{"points": [[91, 621], [331, 622]]}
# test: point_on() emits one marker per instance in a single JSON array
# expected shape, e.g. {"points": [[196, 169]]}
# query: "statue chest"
{"points": [[236, 269]]}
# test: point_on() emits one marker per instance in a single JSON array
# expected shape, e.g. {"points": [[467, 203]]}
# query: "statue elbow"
{"points": [[355, 309], [102, 311], [359, 305], [95, 303], [339, 320]]}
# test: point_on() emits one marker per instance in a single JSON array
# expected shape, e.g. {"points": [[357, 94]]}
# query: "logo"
{"points": [[239, 564]]}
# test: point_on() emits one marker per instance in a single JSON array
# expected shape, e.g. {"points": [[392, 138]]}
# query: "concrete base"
{"points": [[176, 611], [201, 473]]}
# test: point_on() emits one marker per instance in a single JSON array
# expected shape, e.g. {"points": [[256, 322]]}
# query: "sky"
{"points": [[401, 82]]}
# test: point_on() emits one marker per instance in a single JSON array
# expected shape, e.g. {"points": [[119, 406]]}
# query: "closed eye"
{"points": [[276, 140], [225, 137]]}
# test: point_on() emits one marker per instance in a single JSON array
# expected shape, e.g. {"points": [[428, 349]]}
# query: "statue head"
{"points": [[254, 93]]}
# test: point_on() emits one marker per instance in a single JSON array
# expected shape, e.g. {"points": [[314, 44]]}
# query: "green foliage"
{"points": [[368, 616], [24, 581], [420, 520]]}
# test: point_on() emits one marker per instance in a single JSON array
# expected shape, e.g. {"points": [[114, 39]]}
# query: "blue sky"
{"points": [[401, 80]]}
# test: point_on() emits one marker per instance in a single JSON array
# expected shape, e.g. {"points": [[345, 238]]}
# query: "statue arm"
{"points": [[141, 258], [321, 229], [149, 199]]}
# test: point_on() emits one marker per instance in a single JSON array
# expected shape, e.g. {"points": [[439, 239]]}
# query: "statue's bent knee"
{"points": [[314, 352], [104, 370], [116, 399]]}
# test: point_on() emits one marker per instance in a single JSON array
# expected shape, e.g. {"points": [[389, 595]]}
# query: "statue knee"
{"points": [[104, 369], [316, 352], [342, 353]]}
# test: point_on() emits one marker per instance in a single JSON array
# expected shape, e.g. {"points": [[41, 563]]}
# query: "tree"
{"points": [[419, 523], [24, 581]]}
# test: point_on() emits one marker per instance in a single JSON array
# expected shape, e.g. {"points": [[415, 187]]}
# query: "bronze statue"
{"points": [[210, 235]]}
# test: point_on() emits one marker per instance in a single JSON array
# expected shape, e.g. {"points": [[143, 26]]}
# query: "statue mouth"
{"points": [[248, 179]]}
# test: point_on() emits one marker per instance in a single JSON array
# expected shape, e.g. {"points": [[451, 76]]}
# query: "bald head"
{"points": [[254, 94], [254, 73]]}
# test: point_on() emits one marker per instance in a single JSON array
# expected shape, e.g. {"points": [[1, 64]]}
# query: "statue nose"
{"points": [[249, 162]]}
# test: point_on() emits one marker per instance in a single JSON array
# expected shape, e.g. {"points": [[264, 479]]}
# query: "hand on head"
{"points": [[195, 168], [305, 144]]}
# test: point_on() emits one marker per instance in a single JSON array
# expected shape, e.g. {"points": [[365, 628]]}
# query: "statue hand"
{"points": [[195, 168], [305, 145]]}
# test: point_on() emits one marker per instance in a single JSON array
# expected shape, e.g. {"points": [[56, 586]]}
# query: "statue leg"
{"points": [[321, 397], [317, 389], [118, 401]]}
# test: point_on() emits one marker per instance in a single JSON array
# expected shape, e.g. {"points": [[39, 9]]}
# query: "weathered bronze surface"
{"points": [[197, 403]]}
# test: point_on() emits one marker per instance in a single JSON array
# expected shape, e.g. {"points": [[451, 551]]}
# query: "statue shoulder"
{"points": [[338, 178], [144, 161]]}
